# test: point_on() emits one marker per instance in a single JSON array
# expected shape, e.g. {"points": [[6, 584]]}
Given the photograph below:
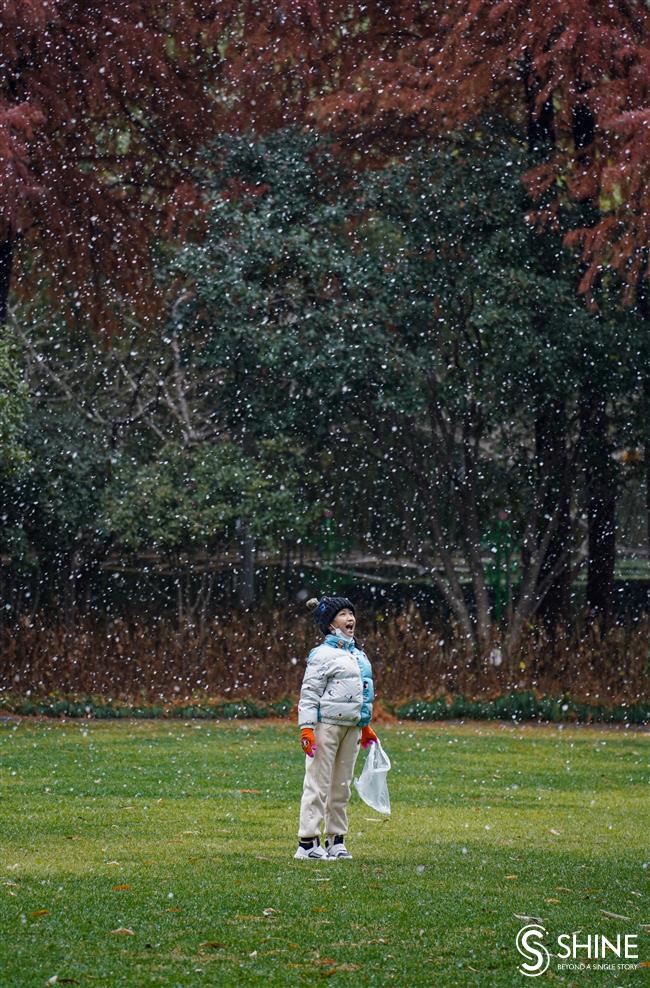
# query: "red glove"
{"points": [[308, 741], [368, 736]]}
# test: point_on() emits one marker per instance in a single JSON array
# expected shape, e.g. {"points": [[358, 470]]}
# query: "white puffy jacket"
{"points": [[337, 687]]}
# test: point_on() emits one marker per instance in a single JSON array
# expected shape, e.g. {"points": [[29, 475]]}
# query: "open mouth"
{"points": [[349, 627]]}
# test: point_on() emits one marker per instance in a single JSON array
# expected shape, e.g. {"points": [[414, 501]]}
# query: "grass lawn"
{"points": [[183, 833]]}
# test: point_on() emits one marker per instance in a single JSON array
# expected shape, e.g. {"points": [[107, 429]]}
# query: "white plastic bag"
{"points": [[372, 784]]}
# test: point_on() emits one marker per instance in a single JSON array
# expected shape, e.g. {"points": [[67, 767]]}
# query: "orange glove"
{"points": [[368, 736], [308, 741]]}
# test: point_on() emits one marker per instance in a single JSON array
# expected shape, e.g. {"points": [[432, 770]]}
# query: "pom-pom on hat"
{"points": [[326, 609]]}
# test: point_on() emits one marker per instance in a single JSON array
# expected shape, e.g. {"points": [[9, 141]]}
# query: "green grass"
{"points": [[488, 820]]}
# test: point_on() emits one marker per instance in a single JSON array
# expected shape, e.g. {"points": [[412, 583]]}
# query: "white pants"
{"points": [[326, 789]]}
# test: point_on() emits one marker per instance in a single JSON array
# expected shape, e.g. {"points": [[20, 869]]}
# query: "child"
{"points": [[334, 716]]}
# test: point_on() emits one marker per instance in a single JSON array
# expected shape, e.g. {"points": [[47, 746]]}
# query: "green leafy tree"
{"points": [[14, 406], [276, 298], [413, 306], [191, 500], [51, 538]]}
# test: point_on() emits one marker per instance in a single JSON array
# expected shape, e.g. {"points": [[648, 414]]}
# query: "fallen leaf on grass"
{"points": [[40, 912], [123, 931], [174, 909], [270, 911], [256, 792], [121, 888], [212, 945], [556, 833], [614, 915], [329, 971], [529, 919], [553, 902], [561, 888], [643, 964], [510, 878], [319, 909]]}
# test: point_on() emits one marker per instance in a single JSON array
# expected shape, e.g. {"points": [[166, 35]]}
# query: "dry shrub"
{"points": [[263, 657]]}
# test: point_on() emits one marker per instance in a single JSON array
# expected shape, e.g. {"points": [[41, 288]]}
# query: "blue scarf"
{"points": [[338, 640]]}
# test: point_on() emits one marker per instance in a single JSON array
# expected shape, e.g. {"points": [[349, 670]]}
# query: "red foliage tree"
{"points": [[101, 105], [575, 74]]}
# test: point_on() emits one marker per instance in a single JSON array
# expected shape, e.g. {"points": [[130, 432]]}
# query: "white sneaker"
{"points": [[336, 848], [314, 852]]}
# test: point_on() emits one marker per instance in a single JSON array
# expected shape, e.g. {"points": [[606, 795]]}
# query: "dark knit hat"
{"points": [[326, 609]]}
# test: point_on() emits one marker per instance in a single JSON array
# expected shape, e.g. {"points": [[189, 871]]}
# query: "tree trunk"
{"points": [[468, 498], [644, 308], [446, 450], [600, 474], [536, 540], [646, 457], [551, 453], [246, 578], [601, 496], [550, 424], [246, 582], [6, 259]]}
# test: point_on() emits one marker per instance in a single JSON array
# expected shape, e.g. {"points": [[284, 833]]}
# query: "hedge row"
{"points": [[523, 706], [107, 710], [516, 706]]}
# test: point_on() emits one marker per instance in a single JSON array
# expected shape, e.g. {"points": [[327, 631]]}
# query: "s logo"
{"points": [[529, 945]]}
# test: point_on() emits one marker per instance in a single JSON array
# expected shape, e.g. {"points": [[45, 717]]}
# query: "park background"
{"points": [[303, 299]]}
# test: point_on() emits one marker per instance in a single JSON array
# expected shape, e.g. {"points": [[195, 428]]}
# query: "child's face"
{"points": [[345, 621]]}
